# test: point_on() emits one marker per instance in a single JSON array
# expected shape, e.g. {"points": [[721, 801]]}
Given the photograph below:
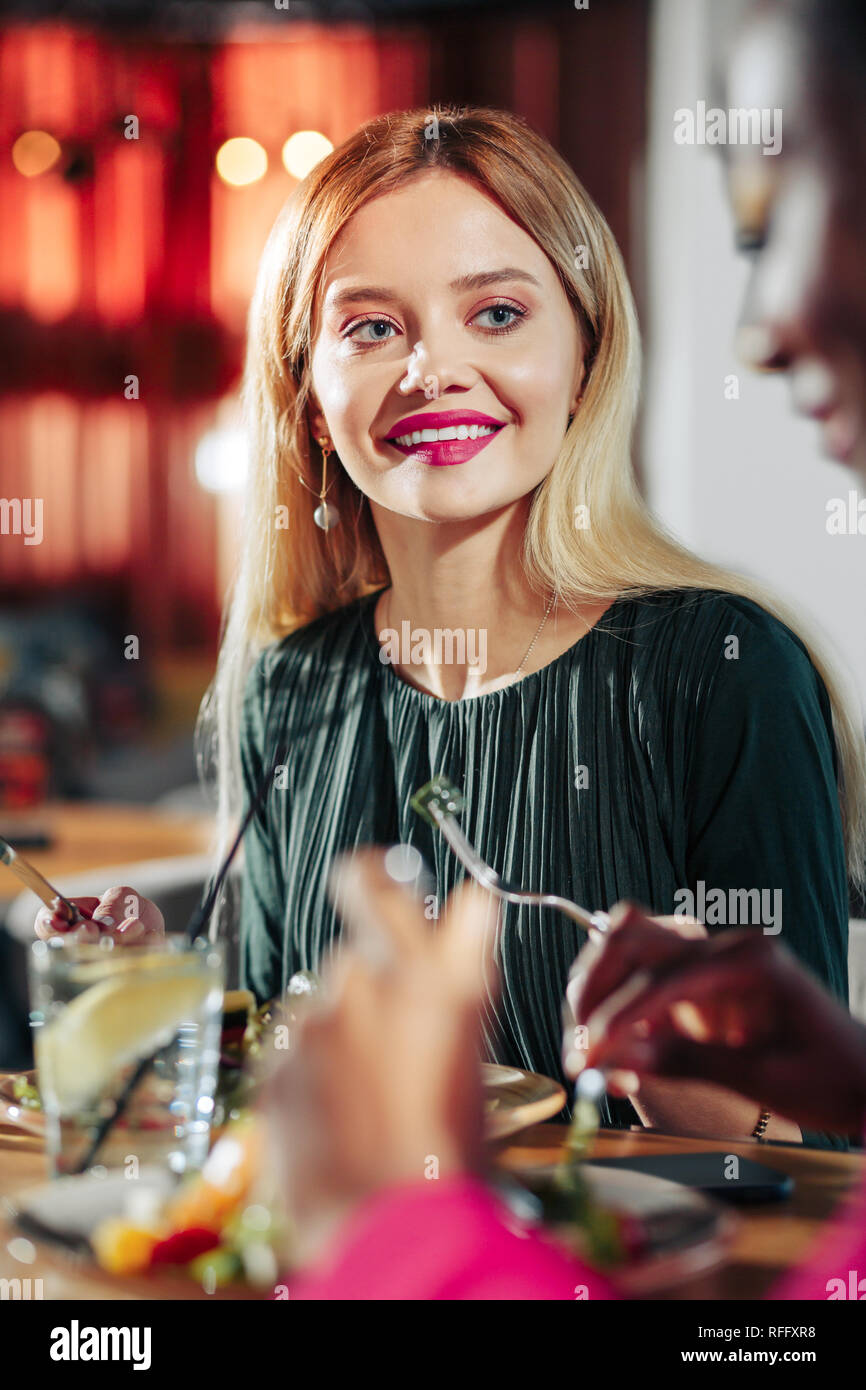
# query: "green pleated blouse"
{"points": [[653, 756]]}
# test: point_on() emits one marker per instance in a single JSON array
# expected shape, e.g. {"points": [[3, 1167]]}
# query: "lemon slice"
{"points": [[116, 1022]]}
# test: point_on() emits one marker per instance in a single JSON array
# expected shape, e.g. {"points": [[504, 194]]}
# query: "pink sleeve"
{"points": [[836, 1263], [448, 1239]]}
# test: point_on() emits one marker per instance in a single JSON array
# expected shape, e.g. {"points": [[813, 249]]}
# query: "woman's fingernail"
{"points": [[574, 1063], [104, 921]]}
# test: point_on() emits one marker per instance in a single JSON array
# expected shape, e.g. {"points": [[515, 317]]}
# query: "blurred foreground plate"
{"points": [[685, 1233], [515, 1099], [62, 1214]]}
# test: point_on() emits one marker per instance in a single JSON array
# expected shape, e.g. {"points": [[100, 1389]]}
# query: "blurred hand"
{"points": [[120, 913], [736, 1009], [383, 1084], [609, 978]]}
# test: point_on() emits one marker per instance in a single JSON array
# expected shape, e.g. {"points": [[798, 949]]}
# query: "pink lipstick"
{"points": [[445, 437]]}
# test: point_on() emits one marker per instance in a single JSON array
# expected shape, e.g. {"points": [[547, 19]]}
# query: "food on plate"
{"points": [[248, 1034], [26, 1093], [604, 1237], [221, 1226]]}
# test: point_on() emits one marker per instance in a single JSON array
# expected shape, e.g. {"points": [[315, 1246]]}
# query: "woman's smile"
{"points": [[443, 438]]}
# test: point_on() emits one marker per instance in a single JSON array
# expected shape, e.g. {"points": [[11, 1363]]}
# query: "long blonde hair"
{"points": [[288, 576]]}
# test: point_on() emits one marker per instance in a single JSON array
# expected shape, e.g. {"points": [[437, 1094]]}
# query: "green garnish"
{"points": [[570, 1198], [439, 794], [26, 1094], [585, 1120]]}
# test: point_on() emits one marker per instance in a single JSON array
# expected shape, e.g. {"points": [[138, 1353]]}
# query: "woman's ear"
{"points": [[315, 419], [578, 386]]}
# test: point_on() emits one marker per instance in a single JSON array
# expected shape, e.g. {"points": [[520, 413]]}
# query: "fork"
{"points": [[438, 801]]}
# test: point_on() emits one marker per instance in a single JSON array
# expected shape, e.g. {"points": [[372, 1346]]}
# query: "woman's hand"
{"points": [[120, 913], [382, 1084], [736, 1009]]}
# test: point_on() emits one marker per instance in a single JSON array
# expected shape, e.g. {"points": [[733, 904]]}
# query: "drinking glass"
{"points": [[97, 1010]]}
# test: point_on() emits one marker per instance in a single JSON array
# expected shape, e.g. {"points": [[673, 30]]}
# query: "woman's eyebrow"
{"points": [[355, 294], [491, 277]]}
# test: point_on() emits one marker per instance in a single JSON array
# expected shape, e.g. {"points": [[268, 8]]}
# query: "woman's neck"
{"points": [[460, 613]]}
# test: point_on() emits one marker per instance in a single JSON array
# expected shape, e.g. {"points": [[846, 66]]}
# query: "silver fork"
{"points": [[438, 802]]}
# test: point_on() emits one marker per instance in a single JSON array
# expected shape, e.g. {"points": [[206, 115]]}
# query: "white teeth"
{"points": [[450, 432]]}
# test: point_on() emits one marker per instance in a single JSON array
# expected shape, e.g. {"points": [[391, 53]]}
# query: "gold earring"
{"points": [[326, 515]]}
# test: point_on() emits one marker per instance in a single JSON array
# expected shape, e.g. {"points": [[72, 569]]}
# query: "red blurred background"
{"points": [[126, 270]]}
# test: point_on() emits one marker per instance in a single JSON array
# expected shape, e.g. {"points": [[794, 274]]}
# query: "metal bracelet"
{"points": [[760, 1128]]}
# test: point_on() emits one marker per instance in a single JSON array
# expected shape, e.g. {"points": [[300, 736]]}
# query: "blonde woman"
{"points": [[448, 568]]}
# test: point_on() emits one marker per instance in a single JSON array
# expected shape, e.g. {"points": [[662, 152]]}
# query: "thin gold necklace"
{"points": [[526, 654]]}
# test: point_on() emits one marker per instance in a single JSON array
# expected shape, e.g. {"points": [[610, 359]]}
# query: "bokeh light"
{"points": [[222, 459], [303, 150], [241, 161], [35, 152]]}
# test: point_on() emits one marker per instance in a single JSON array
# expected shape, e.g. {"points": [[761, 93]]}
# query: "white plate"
{"points": [[68, 1209]]}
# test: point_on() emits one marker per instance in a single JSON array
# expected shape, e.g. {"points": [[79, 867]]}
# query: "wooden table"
{"points": [[767, 1239], [95, 834]]}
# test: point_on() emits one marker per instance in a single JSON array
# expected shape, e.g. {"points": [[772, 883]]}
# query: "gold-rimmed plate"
{"points": [[515, 1099]]}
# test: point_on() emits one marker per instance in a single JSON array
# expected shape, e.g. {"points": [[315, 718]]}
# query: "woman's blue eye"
{"points": [[516, 315], [371, 323]]}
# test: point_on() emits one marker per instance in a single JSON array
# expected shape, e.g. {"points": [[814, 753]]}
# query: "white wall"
{"points": [[742, 481]]}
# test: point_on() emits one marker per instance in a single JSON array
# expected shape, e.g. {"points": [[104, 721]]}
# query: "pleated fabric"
{"points": [[699, 765]]}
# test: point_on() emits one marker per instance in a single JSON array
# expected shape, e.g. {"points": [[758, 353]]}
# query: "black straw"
{"points": [[202, 915]]}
